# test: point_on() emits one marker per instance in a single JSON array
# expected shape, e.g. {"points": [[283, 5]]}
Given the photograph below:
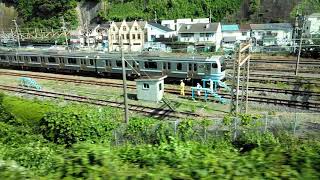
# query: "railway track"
{"points": [[287, 61], [174, 91], [313, 105], [153, 112]]}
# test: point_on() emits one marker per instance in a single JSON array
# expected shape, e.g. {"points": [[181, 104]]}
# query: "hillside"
{"points": [[48, 13]]}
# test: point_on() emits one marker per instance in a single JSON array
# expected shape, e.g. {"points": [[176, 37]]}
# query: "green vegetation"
{"points": [[169, 9], [86, 142], [46, 13], [306, 7]]}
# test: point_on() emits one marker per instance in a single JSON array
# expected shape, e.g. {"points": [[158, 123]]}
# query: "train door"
{"points": [[135, 67], [108, 65], [166, 68], [192, 70], [43, 61], [62, 62], [83, 64]]}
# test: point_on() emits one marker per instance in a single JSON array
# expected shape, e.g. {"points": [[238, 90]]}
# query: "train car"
{"points": [[182, 67]]}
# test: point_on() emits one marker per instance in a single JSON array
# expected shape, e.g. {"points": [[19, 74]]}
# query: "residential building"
{"points": [[272, 34], [313, 24], [130, 34], [201, 33], [231, 30], [158, 31], [245, 30], [176, 24]]}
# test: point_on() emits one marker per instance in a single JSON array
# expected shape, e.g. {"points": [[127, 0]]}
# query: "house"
{"points": [[76, 38], [272, 34], [156, 31], [201, 33], [130, 34], [176, 24], [245, 30], [231, 30], [313, 24]]}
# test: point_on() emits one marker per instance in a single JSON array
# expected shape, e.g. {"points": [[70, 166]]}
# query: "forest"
{"points": [[41, 139]]}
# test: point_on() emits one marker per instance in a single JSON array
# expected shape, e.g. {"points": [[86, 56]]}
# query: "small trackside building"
{"points": [[150, 88], [313, 24]]}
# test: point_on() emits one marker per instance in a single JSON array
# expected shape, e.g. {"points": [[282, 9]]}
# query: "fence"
{"points": [[302, 125]]}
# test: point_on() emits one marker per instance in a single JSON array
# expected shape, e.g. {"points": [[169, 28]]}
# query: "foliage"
{"points": [[72, 124], [306, 7], [151, 149], [46, 13], [169, 9]]}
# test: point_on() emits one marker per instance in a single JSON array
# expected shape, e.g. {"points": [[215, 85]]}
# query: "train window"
{"points": [[169, 65], [91, 62], [145, 86], [179, 66], [2, 57], [72, 61], [150, 65], [43, 59], [26, 58], [14, 58], [51, 60], [195, 67], [34, 59], [62, 60], [119, 63], [214, 65], [164, 65], [190, 67]]}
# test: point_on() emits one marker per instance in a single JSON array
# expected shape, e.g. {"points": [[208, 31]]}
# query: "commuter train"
{"points": [[108, 64]]}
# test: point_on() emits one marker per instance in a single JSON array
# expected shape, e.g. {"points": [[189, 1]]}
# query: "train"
{"points": [[175, 67]]}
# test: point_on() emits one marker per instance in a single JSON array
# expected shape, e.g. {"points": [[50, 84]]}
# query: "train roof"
{"points": [[100, 55]]}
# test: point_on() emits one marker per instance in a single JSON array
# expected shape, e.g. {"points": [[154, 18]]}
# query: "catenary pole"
{"points": [[300, 46], [124, 78], [17, 32]]}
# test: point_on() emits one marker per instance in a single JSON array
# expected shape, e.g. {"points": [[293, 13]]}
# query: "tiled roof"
{"points": [[271, 26], [245, 27], [159, 26], [230, 27], [199, 28]]}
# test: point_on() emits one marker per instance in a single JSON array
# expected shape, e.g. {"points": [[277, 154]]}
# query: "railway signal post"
{"points": [[239, 103]]}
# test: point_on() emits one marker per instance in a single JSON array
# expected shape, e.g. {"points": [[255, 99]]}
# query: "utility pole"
{"points": [[210, 17], [65, 32], [17, 32], [124, 78], [300, 46], [88, 40]]}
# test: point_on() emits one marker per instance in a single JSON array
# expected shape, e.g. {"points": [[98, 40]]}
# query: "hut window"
{"points": [[214, 65], [146, 86], [160, 86], [179, 66]]}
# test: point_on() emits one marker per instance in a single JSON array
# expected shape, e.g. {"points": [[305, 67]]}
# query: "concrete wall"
{"points": [[313, 25]]}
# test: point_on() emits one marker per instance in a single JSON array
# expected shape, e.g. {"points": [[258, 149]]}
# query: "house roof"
{"points": [[271, 26], [245, 27], [229, 27], [159, 26], [199, 27], [315, 15]]}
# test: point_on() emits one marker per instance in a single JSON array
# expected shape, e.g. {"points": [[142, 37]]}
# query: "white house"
{"points": [[230, 35], [176, 24], [201, 33], [313, 24], [245, 30], [272, 34], [155, 30]]}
